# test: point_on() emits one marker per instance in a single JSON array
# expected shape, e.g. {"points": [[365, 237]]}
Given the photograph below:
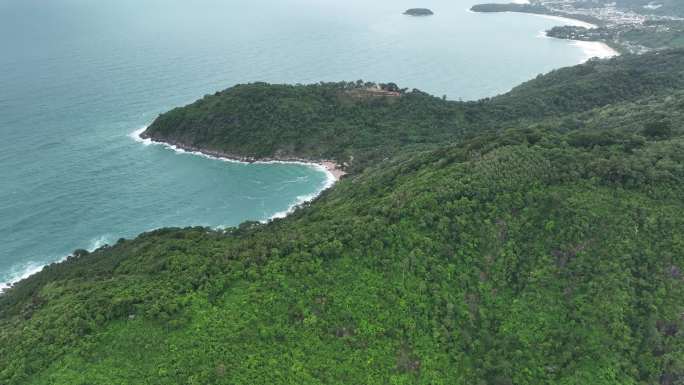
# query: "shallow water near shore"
{"points": [[78, 77]]}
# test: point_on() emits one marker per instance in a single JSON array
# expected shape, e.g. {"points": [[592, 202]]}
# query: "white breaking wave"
{"points": [[19, 272], [302, 199], [136, 135], [99, 242]]}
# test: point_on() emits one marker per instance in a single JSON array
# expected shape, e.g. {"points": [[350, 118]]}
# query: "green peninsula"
{"points": [[530, 238], [362, 123]]}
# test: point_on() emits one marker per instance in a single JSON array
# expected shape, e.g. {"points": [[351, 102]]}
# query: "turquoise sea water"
{"points": [[78, 76]]}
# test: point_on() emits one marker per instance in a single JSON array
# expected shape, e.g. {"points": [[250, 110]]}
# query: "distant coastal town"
{"points": [[628, 26]]}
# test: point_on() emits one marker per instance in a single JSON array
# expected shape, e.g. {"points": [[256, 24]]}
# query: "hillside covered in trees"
{"points": [[531, 238]]}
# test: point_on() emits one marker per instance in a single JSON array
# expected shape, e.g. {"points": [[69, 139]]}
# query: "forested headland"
{"points": [[530, 238]]}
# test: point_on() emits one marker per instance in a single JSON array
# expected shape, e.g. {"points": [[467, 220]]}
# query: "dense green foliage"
{"points": [[544, 245], [594, 84]]}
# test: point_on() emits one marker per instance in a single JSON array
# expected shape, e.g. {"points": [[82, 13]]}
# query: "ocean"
{"points": [[78, 77]]}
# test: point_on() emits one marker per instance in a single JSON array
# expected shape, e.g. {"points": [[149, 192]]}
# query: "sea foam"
{"points": [[302, 199], [22, 271]]}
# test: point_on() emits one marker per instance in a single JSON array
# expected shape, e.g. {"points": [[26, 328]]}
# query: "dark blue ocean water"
{"points": [[78, 76]]}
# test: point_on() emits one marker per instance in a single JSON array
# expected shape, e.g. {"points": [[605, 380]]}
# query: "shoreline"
{"points": [[595, 49], [331, 169], [27, 269], [591, 49]]}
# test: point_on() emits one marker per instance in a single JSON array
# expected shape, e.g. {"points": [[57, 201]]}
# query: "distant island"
{"points": [[418, 12]]}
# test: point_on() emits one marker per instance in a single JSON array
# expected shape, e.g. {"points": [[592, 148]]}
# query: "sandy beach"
{"points": [[334, 169], [595, 49], [591, 49]]}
